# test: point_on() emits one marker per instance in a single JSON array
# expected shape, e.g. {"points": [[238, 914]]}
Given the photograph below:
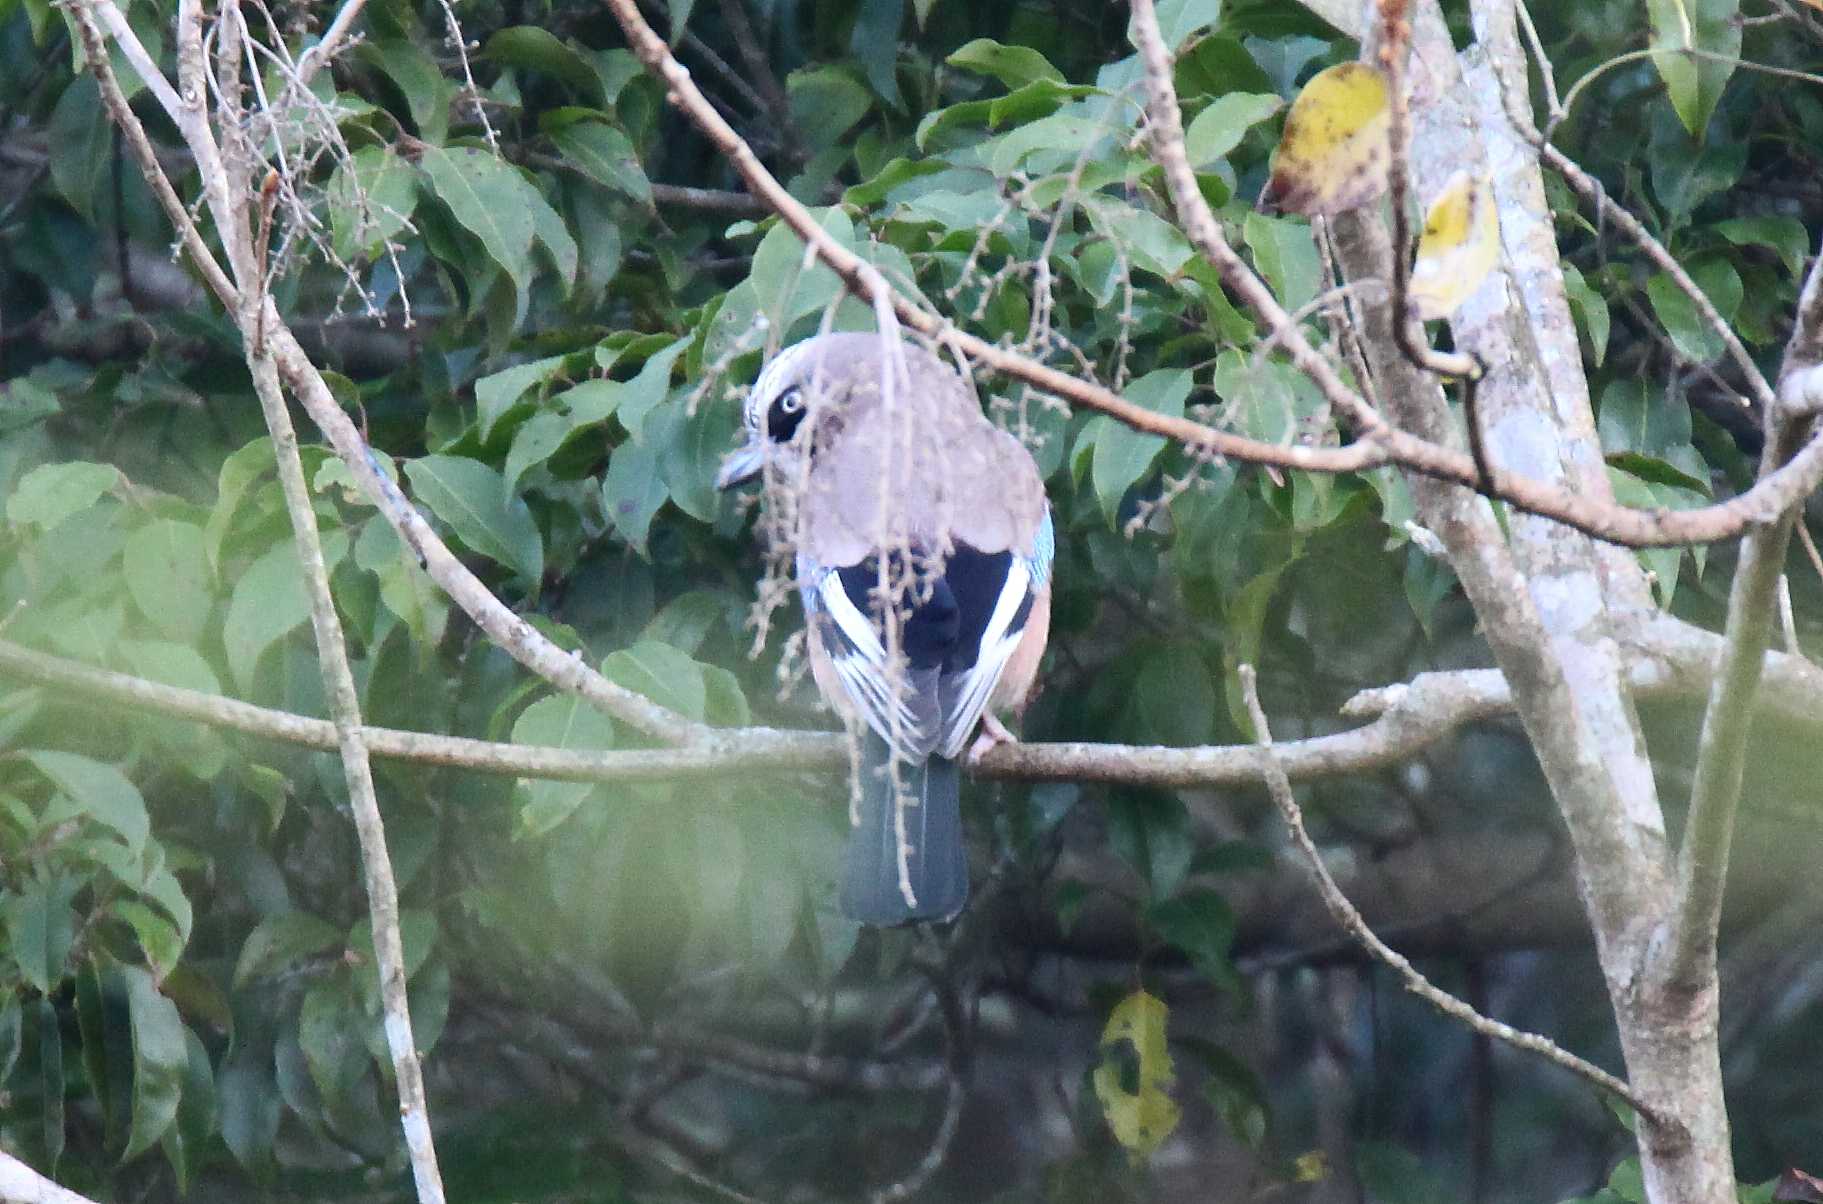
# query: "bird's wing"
{"points": [[903, 708], [965, 693]]}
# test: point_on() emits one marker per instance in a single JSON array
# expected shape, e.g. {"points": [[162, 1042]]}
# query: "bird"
{"points": [[923, 547]]}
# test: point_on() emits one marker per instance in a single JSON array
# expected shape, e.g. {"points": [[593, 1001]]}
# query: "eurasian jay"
{"points": [[923, 547]]}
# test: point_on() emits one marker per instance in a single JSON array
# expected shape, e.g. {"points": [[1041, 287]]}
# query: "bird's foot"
{"points": [[993, 733]]}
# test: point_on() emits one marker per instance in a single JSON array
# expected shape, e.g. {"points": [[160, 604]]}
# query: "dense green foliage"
{"points": [[187, 964]]}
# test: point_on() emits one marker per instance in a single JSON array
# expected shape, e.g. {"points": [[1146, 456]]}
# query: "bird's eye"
{"points": [[791, 400]]}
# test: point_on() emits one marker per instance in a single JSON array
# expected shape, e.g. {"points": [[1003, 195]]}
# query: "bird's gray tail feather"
{"points": [[937, 862]]}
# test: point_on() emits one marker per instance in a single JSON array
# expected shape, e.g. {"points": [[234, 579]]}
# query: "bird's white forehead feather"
{"points": [[780, 369]]}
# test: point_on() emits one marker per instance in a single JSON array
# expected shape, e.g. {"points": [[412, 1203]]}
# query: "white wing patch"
{"points": [[861, 666], [998, 644]]}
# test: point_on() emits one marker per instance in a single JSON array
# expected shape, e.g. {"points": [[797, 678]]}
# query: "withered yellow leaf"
{"points": [[1335, 147], [1459, 247], [1135, 1073]]}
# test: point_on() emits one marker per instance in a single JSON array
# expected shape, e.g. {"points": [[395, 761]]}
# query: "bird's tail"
{"points": [[936, 862]]}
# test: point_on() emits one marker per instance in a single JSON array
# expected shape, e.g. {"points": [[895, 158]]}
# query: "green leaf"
{"points": [[50, 1079], [560, 721], [1220, 127], [1174, 699], [79, 142], [40, 928], [1260, 400], [405, 588], [269, 601], [50, 493], [1685, 172], [661, 673], [1062, 134], [250, 1108], [555, 237], [1693, 336], [644, 392], [632, 492], [493, 201], [1014, 66], [1593, 309], [1178, 19], [1695, 85], [161, 1059], [1201, 924], [1785, 236], [1151, 242], [184, 1141], [605, 155], [1235, 1091], [158, 937], [280, 941], [100, 791], [874, 43], [826, 102], [529, 46], [329, 1033], [1286, 255], [167, 570], [1632, 421], [371, 196], [472, 499], [497, 394], [1123, 455], [417, 76]]}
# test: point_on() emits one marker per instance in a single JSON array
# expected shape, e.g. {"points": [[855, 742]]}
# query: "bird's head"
{"points": [[814, 376]]}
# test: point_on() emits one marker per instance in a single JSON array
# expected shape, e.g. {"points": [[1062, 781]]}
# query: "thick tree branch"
{"points": [[1666, 659], [20, 1184]]}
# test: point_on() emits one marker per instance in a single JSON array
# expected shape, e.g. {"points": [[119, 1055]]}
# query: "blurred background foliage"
{"points": [[541, 294]]}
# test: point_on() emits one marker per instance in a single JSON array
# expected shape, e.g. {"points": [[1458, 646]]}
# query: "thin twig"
{"points": [[330, 44], [1279, 787], [1606, 209], [1810, 547]]}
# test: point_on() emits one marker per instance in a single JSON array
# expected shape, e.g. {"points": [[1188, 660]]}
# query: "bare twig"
{"points": [[330, 44], [1606, 209], [1810, 547], [1279, 786]]}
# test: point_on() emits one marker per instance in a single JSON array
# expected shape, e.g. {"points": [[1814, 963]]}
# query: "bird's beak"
{"points": [[743, 464]]}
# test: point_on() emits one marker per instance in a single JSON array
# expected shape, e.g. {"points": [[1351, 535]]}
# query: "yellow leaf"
{"points": [[1459, 247], [1132, 1086], [1312, 1166], [1335, 147]]}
